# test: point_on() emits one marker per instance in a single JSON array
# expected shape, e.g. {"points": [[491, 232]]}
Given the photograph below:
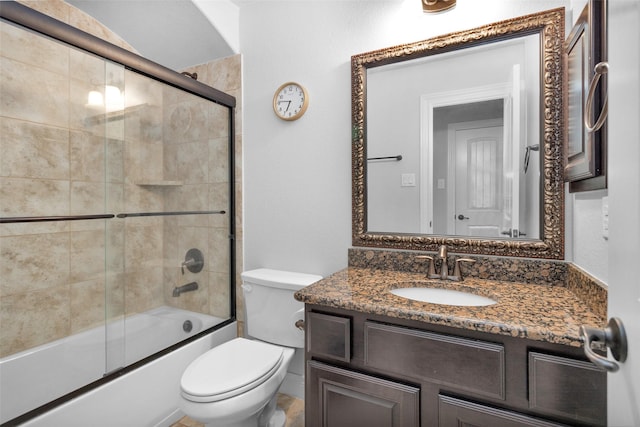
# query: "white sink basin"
{"points": [[443, 296]]}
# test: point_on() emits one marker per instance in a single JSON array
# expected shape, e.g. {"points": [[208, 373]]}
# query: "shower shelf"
{"points": [[160, 183]]}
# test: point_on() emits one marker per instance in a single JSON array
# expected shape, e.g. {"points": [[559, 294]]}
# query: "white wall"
{"points": [[297, 175], [590, 247]]}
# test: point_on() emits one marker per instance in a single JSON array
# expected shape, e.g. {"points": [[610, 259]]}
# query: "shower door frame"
{"points": [[33, 20]]}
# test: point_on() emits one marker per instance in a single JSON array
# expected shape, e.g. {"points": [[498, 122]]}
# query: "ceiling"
{"points": [[173, 33]]}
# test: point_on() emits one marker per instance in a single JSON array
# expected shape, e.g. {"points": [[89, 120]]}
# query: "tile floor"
{"points": [[293, 407]]}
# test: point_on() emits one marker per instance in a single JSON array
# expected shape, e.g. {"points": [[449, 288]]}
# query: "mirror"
{"points": [[457, 140]]}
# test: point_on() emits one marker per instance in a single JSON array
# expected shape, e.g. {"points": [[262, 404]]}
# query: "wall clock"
{"points": [[290, 101]]}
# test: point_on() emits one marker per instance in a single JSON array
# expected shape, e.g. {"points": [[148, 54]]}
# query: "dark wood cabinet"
{"points": [[460, 413], [344, 398], [373, 370], [471, 365], [329, 336], [567, 387]]}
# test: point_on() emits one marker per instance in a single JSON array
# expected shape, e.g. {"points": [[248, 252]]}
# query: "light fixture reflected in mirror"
{"points": [[431, 6]]}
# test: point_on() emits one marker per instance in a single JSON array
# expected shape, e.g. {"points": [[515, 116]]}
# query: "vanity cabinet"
{"points": [[346, 398], [374, 370], [456, 413]]}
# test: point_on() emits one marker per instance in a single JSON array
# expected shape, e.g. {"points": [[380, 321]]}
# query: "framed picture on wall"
{"points": [[585, 100]]}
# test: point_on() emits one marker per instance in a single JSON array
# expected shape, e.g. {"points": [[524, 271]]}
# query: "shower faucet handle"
{"points": [[193, 260], [187, 263]]}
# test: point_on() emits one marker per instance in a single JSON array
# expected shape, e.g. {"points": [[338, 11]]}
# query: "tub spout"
{"points": [[189, 287]]}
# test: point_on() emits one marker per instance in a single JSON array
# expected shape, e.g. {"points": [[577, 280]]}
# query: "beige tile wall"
{"points": [[49, 167], [53, 152], [226, 74]]}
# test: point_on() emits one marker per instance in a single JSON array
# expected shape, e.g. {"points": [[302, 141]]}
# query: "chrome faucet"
{"points": [[444, 268]]}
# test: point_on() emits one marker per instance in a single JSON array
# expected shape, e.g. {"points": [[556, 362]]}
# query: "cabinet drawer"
{"points": [[329, 336], [456, 413], [466, 364], [568, 388]]}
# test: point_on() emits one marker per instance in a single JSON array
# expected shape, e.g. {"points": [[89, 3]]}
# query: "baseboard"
{"points": [[171, 419]]}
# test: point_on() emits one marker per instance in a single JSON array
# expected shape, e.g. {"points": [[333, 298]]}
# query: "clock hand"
{"points": [[288, 103]]}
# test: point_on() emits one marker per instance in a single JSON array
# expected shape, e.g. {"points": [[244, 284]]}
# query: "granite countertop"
{"points": [[538, 312]]}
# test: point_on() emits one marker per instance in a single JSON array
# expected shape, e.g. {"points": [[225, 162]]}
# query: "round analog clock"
{"points": [[290, 101]]}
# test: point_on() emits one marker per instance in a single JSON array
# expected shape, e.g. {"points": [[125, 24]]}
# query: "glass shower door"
{"points": [[109, 179], [53, 220]]}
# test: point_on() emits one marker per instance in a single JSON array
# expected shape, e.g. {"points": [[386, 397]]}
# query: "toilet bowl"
{"points": [[232, 384], [235, 384]]}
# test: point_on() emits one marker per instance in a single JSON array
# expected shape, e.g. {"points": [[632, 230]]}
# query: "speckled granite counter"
{"points": [[538, 312]]}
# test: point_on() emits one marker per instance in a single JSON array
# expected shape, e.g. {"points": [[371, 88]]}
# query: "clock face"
{"points": [[290, 101]]}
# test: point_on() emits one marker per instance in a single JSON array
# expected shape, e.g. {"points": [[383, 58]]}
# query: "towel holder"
{"points": [[600, 69], [398, 158]]}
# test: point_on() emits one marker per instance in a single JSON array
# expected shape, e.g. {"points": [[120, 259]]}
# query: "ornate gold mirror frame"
{"points": [[550, 27]]}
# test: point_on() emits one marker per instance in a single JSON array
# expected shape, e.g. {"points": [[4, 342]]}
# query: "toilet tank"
{"points": [[271, 310]]}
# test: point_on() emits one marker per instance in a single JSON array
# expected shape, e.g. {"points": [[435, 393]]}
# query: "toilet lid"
{"points": [[230, 369]]}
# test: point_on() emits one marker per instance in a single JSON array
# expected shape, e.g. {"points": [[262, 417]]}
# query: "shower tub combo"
{"points": [[109, 176], [34, 377]]}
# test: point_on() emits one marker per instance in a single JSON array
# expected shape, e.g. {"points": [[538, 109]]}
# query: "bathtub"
{"points": [[39, 375]]}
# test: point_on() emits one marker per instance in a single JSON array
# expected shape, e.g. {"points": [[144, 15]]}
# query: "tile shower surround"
{"points": [[52, 275]]}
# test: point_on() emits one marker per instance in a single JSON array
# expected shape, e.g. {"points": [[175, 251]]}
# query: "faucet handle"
{"points": [[457, 273], [431, 273], [193, 260], [187, 263]]}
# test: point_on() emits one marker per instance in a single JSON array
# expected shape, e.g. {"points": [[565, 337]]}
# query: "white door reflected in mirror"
{"points": [[413, 111]]}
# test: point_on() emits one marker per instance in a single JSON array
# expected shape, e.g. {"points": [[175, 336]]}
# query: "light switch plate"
{"points": [[408, 179]]}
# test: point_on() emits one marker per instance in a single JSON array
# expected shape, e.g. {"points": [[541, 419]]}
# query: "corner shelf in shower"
{"points": [[110, 116]]}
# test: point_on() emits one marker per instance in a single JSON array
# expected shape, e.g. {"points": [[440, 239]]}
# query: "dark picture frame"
{"points": [[585, 148]]}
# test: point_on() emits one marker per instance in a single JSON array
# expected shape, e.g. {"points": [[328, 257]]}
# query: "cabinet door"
{"points": [[567, 388], [460, 413], [341, 398]]}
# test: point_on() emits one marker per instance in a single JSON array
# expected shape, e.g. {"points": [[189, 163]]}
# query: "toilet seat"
{"points": [[230, 369]]}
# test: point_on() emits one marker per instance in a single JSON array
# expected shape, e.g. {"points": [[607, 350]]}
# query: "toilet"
{"points": [[235, 384]]}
